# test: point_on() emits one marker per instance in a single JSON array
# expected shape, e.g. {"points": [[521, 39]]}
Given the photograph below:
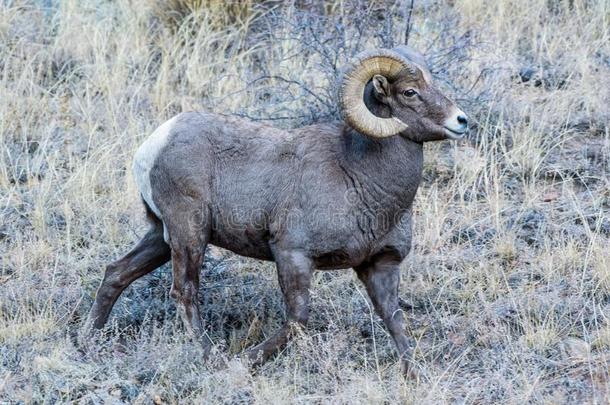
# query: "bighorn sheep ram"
{"points": [[325, 196]]}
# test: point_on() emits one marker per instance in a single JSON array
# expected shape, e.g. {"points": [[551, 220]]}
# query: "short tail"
{"points": [[150, 215]]}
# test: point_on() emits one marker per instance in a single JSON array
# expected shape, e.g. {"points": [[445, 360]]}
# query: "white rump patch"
{"points": [[144, 160]]}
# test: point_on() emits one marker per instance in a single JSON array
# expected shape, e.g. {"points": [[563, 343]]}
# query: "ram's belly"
{"points": [[339, 251], [244, 244], [241, 231]]}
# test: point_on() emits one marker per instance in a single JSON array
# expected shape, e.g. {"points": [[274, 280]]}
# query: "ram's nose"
{"points": [[456, 125], [463, 120]]}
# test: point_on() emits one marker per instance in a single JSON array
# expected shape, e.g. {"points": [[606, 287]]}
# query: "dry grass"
{"points": [[508, 286]]}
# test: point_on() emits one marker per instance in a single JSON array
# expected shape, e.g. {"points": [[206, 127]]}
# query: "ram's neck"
{"points": [[385, 173]]}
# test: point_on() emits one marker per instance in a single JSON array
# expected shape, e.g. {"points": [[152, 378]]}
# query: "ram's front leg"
{"points": [[381, 277], [294, 270]]}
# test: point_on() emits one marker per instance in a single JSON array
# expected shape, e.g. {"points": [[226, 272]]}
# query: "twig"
{"points": [[291, 81], [408, 31]]}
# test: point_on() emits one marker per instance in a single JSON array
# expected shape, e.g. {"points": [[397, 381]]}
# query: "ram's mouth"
{"points": [[455, 135]]}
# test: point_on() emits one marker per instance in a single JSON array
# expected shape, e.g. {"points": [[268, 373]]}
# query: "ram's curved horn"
{"points": [[383, 62]]}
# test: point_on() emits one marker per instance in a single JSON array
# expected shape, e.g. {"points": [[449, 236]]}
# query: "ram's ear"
{"points": [[382, 88]]}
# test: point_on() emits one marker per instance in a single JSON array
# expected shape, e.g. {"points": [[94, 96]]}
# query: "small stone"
{"points": [[457, 339], [576, 349], [526, 74], [550, 196]]}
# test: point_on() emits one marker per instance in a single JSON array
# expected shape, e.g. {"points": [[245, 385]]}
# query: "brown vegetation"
{"points": [[507, 289]]}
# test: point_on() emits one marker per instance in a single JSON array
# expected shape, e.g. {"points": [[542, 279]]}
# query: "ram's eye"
{"points": [[409, 92]]}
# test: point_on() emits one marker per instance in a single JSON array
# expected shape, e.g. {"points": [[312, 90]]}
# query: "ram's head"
{"points": [[389, 92]]}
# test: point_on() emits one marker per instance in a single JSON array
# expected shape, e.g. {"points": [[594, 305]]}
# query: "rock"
{"points": [[457, 339], [530, 226], [550, 196], [546, 78], [597, 224], [526, 74], [576, 349]]}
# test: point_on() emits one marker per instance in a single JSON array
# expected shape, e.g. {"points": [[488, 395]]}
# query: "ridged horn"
{"points": [[367, 64]]}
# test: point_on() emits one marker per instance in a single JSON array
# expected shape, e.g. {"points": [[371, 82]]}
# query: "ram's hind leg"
{"points": [[187, 262], [189, 235], [294, 271], [150, 253]]}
